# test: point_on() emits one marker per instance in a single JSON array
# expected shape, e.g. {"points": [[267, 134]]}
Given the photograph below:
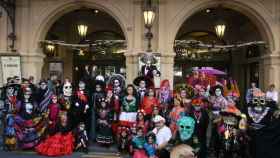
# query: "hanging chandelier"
{"points": [[82, 30]]}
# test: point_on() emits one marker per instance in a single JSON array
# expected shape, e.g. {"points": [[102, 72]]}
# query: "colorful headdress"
{"points": [[197, 102], [188, 88], [118, 77]]}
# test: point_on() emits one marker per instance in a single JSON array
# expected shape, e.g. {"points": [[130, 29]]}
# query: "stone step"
{"points": [[101, 155]]}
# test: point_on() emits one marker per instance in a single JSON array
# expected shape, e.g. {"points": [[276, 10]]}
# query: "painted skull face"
{"points": [[43, 85], [82, 85], [218, 92], [186, 127], [116, 83], [258, 101], [67, 89], [10, 91]]}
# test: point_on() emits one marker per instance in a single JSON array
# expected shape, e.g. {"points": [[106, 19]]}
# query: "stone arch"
{"points": [[253, 10], [54, 12]]}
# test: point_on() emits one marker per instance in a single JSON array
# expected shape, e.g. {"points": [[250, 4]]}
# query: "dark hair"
{"points": [[134, 90], [147, 91]]}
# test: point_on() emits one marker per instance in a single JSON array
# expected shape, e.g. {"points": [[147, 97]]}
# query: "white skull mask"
{"points": [[67, 89]]}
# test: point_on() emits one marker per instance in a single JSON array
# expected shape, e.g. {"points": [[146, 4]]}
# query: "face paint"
{"points": [[67, 89], [116, 83], [43, 85], [186, 127], [218, 92]]}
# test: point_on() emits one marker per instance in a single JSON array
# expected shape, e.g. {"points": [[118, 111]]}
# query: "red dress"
{"points": [[148, 104], [62, 143]]}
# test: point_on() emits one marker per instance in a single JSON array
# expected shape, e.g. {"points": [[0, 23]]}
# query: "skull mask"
{"points": [[67, 89], [186, 127]]}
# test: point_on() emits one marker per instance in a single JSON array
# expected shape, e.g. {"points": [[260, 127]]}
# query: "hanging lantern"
{"points": [[149, 17], [50, 48], [82, 30], [220, 28]]}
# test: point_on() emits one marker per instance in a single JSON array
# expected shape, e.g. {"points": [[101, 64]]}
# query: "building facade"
{"points": [[34, 18]]}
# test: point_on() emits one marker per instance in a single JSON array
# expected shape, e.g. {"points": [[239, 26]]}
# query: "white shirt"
{"points": [[163, 135], [273, 95]]}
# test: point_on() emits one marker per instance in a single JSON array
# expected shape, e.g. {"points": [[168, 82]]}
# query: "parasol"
{"points": [[211, 71]]}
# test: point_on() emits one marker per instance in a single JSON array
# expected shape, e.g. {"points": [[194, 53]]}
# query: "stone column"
{"points": [[131, 60], [270, 70], [167, 67], [32, 64]]}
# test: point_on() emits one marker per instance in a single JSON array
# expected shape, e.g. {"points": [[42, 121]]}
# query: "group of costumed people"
{"points": [[146, 119]]}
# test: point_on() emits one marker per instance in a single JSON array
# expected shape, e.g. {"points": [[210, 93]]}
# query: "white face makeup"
{"points": [[218, 92], [67, 89]]}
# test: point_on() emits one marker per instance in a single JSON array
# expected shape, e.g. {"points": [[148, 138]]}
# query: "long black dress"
{"points": [[264, 132]]}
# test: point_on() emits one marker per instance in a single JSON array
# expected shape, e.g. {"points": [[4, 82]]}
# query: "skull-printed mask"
{"points": [[186, 127], [67, 89]]}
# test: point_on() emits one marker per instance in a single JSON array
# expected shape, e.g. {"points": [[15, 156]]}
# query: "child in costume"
{"points": [[104, 123], [150, 145], [62, 143], [123, 139], [138, 144], [54, 109], [10, 133], [141, 122], [81, 138]]}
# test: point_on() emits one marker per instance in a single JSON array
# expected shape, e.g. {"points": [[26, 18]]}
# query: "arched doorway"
{"points": [[242, 63], [99, 58]]}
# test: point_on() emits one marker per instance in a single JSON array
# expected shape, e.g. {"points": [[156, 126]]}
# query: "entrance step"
{"points": [[101, 155]]}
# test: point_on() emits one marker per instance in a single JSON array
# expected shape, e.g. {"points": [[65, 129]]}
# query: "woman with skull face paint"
{"points": [[66, 99], [43, 96], [262, 130], [30, 125], [11, 101]]}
